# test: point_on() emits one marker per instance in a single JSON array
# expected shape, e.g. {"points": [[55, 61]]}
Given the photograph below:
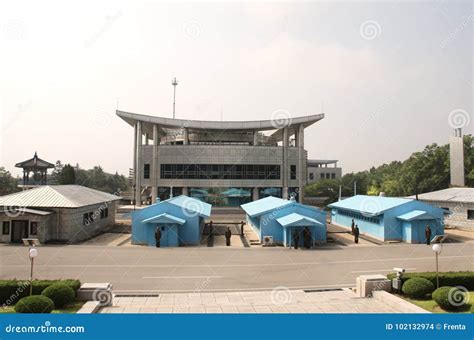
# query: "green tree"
{"points": [[8, 184], [67, 175]]}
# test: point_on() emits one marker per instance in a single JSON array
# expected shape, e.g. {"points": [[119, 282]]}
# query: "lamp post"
{"points": [[33, 252], [437, 250]]}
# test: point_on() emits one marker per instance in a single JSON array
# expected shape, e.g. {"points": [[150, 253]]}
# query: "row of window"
{"points": [[323, 175], [89, 217], [359, 216], [470, 213], [220, 171], [6, 228]]}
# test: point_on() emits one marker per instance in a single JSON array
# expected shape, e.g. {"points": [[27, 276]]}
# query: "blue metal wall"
{"points": [[188, 234]]}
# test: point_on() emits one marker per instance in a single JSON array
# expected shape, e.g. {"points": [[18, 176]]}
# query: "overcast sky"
{"points": [[393, 76]]}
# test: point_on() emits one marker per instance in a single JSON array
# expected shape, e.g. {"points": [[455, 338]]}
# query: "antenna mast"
{"points": [[174, 82]]}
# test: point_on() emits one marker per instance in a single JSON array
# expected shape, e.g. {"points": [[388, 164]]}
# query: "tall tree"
{"points": [[67, 175], [8, 184]]}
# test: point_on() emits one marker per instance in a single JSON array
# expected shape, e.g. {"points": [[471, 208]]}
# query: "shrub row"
{"points": [[464, 279], [11, 291]]}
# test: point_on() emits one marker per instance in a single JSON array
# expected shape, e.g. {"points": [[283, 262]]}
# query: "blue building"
{"points": [[389, 218], [181, 220], [278, 218]]}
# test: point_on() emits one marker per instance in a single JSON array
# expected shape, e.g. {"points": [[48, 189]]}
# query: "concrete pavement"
{"points": [[186, 269]]}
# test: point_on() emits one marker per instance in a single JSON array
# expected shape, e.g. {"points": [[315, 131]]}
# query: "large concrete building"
{"points": [[221, 163], [319, 169]]}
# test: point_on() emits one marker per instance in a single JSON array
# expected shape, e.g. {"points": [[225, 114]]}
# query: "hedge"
{"points": [[11, 291], [34, 304], [60, 293], [448, 298], [418, 287], [464, 279]]}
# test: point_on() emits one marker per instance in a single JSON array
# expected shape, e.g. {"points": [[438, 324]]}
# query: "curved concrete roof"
{"points": [[164, 122]]}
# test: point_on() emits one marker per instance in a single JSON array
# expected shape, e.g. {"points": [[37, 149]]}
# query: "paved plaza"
{"points": [[279, 300]]}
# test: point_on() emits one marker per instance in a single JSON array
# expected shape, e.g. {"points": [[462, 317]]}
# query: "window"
{"points": [[219, 171], [328, 175], [6, 228], [470, 214], [88, 218], [292, 171], [34, 228], [146, 171], [322, 175], [360, 217], [311, 176], [104, 213], [333, 176]]}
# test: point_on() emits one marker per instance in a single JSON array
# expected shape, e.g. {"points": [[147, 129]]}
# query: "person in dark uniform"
{"points": [[210, 228], [356, 234], [428, 235], [308, 245], [296, 239], [242, 228], [228, 235], [352, 227], [157, 237]]}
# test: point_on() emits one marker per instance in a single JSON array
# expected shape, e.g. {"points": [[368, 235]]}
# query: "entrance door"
{"points": [[19, 231]]}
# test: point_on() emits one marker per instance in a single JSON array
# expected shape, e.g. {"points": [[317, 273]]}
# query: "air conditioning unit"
{"points": [[268, 240]]}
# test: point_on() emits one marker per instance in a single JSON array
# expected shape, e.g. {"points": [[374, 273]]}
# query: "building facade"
{"points": [[319, 169], [276, 219], [458, 204], [221, 163], [180, 220], [56, 213], [389, 218]]}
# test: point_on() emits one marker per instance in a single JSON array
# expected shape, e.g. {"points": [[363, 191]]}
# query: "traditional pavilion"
{"points": [[39, 169]]}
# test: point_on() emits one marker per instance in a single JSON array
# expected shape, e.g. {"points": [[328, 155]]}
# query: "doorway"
{"points": [[19, 231]]}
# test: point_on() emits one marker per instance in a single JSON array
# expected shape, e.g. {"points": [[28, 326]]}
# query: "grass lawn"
{"points": [[68, 309], [433, 307]]}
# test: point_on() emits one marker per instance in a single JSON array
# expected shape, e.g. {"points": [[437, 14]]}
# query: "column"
{"points": [[134, 182], [301, 162], [154, 166], [254, 194], [185, 136], [255, 137], [138, 173], [185, 191], [285, 163]]}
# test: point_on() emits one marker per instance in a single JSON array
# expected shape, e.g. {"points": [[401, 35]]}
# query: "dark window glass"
{"points": [[220, 171], [6, 228], [104, 213], [292, 171], [333, 175], [146, 171], [322, 175], [470, 214], [88, 218], [34, 228], [311, 176]]}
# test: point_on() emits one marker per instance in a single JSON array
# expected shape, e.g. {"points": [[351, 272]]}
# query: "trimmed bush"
{"points": [[34, 304], [449, 298], [465, 279], [60, 293], [11, 291], [417, 287]]}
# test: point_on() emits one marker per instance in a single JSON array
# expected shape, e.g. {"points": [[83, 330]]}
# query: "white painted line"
{"points": [[378, 270], [227, 265], [182, 277]]}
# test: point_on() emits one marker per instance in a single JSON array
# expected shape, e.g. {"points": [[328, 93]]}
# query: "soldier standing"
{"points": [[428, 235], [352, 227], [296, 239], [242, 228], [157, 237], [228, 235], [309, 239], [356, 234]]}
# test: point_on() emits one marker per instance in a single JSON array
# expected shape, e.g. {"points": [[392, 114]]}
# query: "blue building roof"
{"points": [[264, 205], [298, 220], [193, 205], [416, 215], [165, 218], [371, 205]]}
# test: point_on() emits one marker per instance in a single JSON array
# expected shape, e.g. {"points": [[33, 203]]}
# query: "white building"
{"points": [[319, 169]]}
